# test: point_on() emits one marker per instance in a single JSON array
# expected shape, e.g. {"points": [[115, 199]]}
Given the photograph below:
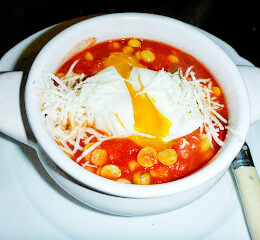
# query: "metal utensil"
{"points": [[249, 188]]}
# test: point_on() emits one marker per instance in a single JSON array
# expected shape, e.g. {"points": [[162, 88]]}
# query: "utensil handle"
{"points": [[11, 122], [251, 76], [249, 188]]}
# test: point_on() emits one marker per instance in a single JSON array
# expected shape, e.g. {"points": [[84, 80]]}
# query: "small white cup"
{"points": [[111, 196]]}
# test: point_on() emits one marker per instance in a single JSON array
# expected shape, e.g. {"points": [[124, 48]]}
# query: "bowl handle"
{"points": [[11, 122], [251, 76]]}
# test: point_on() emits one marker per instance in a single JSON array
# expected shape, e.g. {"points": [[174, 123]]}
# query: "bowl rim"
{"points": [[219, 164]]}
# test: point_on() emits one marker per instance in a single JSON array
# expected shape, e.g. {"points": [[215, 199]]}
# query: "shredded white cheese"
{"points": [[71, 121], [184, 143]]}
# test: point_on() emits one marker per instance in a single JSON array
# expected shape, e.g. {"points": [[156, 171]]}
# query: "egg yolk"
{"points": [[147, 118], [122, 62]]}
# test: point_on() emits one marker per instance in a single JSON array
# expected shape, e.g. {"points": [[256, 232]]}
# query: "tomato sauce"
{"points": [[191, 153]]}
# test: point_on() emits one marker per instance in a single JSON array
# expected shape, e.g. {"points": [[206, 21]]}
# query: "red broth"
{"points": [[122, 154]]}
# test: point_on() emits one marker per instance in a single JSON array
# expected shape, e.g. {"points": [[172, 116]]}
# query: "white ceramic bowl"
{"points": [[126, 199]]}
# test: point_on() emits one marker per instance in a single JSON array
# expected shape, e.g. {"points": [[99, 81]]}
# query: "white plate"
{"points": [[32, 206]]}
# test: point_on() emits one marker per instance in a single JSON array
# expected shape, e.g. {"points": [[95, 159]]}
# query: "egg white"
{"points": [[110, 102], [108, 99]]}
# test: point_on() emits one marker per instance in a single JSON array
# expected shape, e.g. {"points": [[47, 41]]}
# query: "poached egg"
{"points": [[152, 103]]}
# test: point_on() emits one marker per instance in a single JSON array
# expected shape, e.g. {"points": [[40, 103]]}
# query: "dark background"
{"points": [[237, 23]]}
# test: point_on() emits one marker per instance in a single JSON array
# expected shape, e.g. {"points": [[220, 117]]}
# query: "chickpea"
{"points": [[88, 156], [204, 145], [128, 49], [89, 56], [208, 155], [173, 58], [159, 172], [110, 171], [154, 173], [137, 55], [147, 157], [60, 75], [124, 180], [90, 169], [133, 165], [134, 43], [88, 145], [142, 178], [99, 157], [216, 91], [99, 171], [167, 157], [147, 56], [116, 45]]}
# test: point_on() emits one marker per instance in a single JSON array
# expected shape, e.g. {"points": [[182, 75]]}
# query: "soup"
{"points": [[135, 111]]}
